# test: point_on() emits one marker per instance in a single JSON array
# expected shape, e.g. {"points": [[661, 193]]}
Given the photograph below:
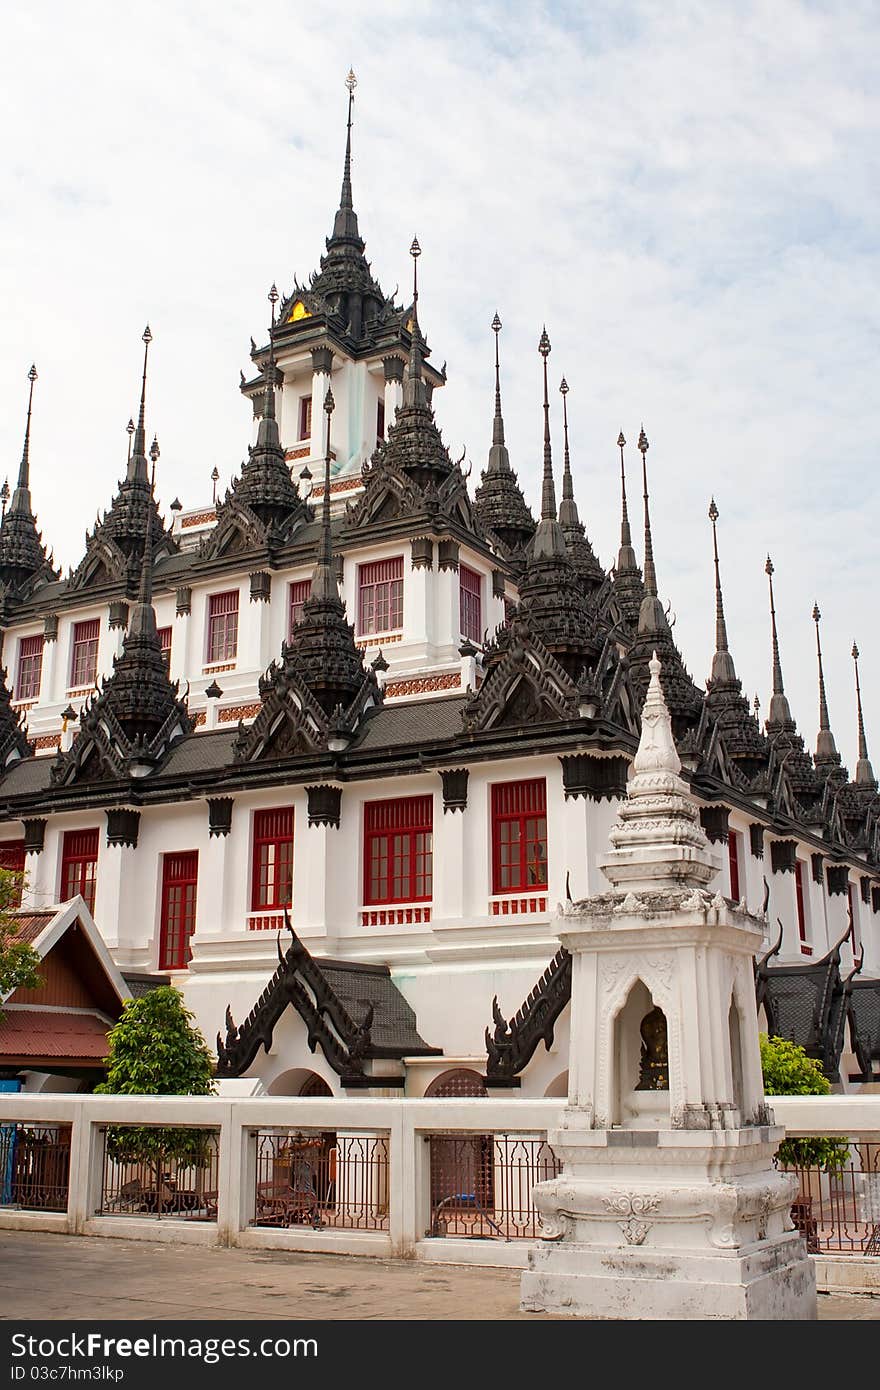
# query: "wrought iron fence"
{"points": [[481, 1184], [34, 1166], [321, 1179], [838, 1213], [160, 1172]]}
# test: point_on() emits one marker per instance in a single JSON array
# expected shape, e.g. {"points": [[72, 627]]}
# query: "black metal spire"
{"points": [[498, 501], [579, 548], [723, 668], [143, 616], [780, 710], [864, 771], [129, 430], [549, 538], [625, 532], [628, 587], [137, 462], [269, 435], [324, 584], [826, 757], [568, 513], [652, 619], [21, 498], [414, 392]]}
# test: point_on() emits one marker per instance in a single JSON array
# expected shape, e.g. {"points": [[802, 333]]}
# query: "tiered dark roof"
{"points": [[498, 502], [589, 570], [115, 545], [23, 558]]}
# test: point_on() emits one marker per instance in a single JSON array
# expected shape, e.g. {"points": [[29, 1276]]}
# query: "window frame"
{"points": [[90, 642], [165, 646], [80, 848], [217, 616], [531, 792], [266, 834], [405, 819], [13, 858], [174, 948], [734, 861], [375, 576], [23, 656], [470, 603], [296, 588], [380, 419], [800, 896], [305, 417]]}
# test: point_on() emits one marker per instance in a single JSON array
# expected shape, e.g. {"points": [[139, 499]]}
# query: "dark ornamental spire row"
{"points": [[552, 602], [654, 634], [826, 757], [744, 749], [126, 729], [627, 587], [317, 695], [579, 548], [263, 507], [498, 502], [115, 545], [23, 559], [410, 477]]}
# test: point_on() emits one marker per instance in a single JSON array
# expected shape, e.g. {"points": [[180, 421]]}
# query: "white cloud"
{"points": [[686, 194]]}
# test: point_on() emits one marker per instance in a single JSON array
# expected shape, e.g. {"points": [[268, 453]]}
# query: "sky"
{"points": [[686, 194]]}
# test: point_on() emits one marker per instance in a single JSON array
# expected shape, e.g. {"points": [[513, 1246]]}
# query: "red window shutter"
{"points": [[801, 911], [12, 858], [300, 590], [180, 874], [733, 862], [519, 835], [223, 626], [165, 645], [30, 668], [380, 419], [84, 653], [380, 595], [398, 850], [305, 417], [79, 865], [470, 603], [272, 874]]}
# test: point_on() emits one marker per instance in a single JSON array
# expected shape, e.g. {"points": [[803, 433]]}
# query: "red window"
{"points": [[380, 595], [180, 874], [380, 419], [273, 859], [398, 850], [165, 644], [30, 668], [806, 948], [84, 657], [223, 626], [733, 863], [12, 859], [305, 417], [79, 865], [470, 603], [519, 835], [299, 592]]}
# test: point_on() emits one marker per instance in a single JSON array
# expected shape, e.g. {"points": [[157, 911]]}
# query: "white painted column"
{"points": [[180, 654], [573, 819], [394, 367], [215, 909], [418, 591], [47, 671], [312, 850], [322, 366], [115, 870], [450, 830]]}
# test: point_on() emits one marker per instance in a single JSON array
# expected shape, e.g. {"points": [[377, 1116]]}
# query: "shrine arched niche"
{"points": [[299, 1081], [640, 1062]]}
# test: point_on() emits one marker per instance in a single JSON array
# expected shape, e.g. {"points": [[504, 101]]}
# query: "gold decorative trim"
{"points": [[47, 741], [420, 685], [233, 712], [198, 518]]}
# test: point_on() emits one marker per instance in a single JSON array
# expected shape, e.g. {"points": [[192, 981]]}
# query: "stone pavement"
{"points": [[80, 1277]]}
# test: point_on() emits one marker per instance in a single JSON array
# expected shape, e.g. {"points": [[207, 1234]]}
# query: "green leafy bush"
{"points": [[19, 963], [156, 1051], [788, 1071]]}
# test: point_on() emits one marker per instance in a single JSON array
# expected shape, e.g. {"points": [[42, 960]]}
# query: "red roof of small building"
{"points": [[28, 925], [53, 1033]]}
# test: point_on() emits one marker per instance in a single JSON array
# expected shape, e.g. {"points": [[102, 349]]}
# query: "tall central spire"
{"points": [[827, 756], [414, 392], [498, 502], [324, 584], [345, 226], [21, 498], [780, 710], [568, 515], [503, 460], [625, 532], [723, 668], [628, 588], [137, 463], [864, 771]]}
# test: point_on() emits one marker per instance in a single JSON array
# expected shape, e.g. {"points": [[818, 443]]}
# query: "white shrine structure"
{"points": [[668, 1204]]}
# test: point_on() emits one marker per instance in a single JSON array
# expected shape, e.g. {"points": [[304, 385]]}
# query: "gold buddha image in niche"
{"points": [[654, 1064]]}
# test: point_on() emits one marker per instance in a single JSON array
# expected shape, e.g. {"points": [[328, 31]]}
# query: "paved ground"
{"points": [[52, 1276]]}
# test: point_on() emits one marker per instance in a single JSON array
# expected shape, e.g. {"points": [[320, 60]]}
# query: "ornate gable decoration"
{"points": [[525, 686], [107, 747]]}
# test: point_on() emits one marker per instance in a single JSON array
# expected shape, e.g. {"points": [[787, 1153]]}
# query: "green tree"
{"points": [[788, 1071], [19, 963], [156, 1051]]}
